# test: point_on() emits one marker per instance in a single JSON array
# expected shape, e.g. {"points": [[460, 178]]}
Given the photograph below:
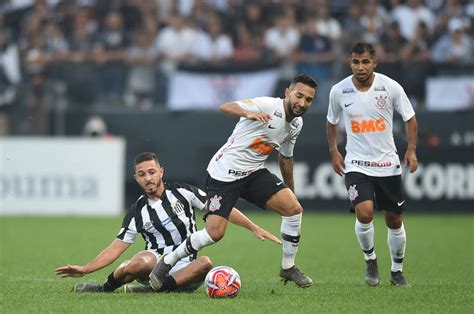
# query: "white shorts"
{"points": [[185, 261]]}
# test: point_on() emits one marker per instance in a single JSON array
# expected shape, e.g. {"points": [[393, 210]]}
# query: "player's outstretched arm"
{"points": [[336, 157], [234, 109], [411, 127], [105, 258], [238, 218]]}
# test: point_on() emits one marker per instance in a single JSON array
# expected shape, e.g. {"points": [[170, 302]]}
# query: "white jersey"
{"points": [[368, 120], [252, 142]]}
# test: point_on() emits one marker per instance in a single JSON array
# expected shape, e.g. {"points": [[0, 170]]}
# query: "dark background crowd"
{"points": [[120, 54]]}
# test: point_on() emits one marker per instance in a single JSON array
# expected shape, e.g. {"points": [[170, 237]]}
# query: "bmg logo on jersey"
{"points": [[368, 126]]}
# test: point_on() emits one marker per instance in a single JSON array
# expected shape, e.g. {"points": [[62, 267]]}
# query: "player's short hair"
{"points": [[304, 79], [145, 156], [362, 47]]}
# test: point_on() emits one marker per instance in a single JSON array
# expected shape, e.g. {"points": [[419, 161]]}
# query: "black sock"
{"points": [[111, 284], [169, 284]]}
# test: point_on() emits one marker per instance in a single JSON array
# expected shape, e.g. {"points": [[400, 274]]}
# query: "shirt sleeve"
{"points": [[259, 104], [128, 232], [334, 109], [402, 104]]}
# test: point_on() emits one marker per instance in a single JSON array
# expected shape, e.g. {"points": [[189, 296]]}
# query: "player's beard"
{"points": [[291, 110], [153, 188]]}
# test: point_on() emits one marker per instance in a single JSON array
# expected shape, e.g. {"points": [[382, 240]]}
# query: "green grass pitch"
{"points": [[439, 265]]}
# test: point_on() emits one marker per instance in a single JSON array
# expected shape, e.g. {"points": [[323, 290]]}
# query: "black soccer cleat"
{"points": [[137, 289], [398, 279], [372, 273], [88, 287], [158, 273], [295, 275]]}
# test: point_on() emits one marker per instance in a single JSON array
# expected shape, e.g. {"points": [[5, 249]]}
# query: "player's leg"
{"points": [[391, 198], [139, 267], [268, 191], [221, 198], [361, 194], [187, 275]]}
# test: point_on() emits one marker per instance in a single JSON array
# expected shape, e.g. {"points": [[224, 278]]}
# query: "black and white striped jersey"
{"points": [[166, 222]]}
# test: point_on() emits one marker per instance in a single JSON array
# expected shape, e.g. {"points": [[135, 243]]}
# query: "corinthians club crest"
{"points": [[382, 102], [215, 203]]}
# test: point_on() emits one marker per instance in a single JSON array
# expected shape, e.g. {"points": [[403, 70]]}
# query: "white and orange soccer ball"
{"points": [[222, 282]]}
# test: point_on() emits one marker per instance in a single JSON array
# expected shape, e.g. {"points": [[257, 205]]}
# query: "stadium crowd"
{"points": [[122, 53]]}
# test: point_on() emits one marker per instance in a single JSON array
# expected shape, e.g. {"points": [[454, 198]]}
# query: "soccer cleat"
{"points": [[372, 273], [158, 273], [398, 279], [88, 287], [294, 274], [137, 289]]}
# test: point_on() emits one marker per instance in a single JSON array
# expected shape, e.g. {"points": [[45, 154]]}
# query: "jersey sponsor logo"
{"points": [[278, 114], [271, 127], [379, 88], [247, 101], [348, 91], [382, 102], [347, 105], [215, 203], [226, 147], [295, 124], [148, 225], [238, 173], [261, 147], [352, 191], [374, 164], [368, 126]]}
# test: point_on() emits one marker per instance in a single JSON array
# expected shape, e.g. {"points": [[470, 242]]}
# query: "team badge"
{"points": [[353, 193], [382, 102], [215, 203], [177, 207]]}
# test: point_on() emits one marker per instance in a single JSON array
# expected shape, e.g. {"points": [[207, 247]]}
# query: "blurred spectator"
{"points": [[10, 78], [409, 15], [372, 22], [214, 47], [141, 57], [327, 25], [456, 47], [109, 54], [248, 46], [389, 52]]}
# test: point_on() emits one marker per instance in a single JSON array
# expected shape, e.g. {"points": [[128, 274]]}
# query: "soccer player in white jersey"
{"points": [[237, 170], [164, 216], [366, 100]]}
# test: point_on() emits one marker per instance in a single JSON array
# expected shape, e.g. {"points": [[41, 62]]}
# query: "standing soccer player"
{"points": [[237, 170], [164, 217], [366, 100]]}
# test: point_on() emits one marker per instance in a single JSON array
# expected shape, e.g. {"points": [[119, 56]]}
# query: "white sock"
{"points": [[290, 234], [365, 235], [194, 243], [397, 240]]}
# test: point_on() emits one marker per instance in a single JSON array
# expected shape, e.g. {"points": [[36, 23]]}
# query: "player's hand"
{"points": [[70, 271], [258, 116], [410, 159], [337, 163], [263, 234]]}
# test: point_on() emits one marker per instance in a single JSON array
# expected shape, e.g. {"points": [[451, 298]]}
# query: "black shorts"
{"points": [[256, 188], [385, 192]]}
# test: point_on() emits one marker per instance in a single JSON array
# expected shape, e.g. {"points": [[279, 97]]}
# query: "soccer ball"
{"points": [[222, 282]]}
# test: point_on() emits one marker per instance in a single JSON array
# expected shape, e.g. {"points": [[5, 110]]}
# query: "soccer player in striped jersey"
{"points": [[237, 170], [165, 217], [366, 102]]}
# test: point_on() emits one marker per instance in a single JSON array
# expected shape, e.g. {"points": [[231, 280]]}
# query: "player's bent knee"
{"points": [[137, 266], [292, 211]]}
